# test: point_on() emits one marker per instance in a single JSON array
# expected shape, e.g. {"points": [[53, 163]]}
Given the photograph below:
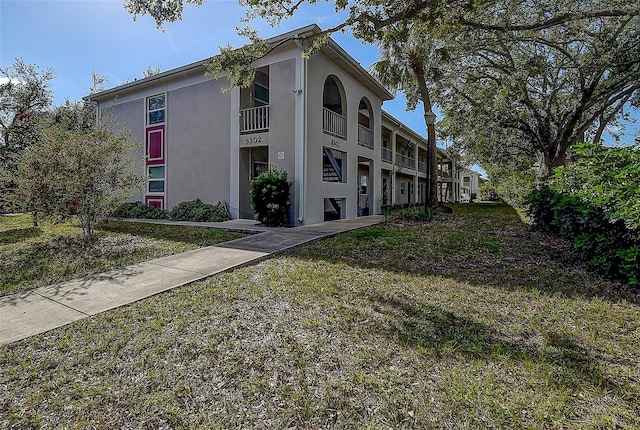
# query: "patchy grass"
{"points": [[384, 327], [50, 253]]}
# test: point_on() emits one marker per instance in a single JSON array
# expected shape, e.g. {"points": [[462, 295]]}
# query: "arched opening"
{"points": [[334, 121], [365, 123]]}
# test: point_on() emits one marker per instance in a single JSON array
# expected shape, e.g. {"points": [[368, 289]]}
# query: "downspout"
{"points": [[301, 138]]}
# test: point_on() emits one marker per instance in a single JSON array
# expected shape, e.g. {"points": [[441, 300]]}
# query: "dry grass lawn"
{"points": [[469, 321]]}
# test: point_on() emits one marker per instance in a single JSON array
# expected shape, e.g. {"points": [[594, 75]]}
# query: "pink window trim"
{"points": [[155, 145]]}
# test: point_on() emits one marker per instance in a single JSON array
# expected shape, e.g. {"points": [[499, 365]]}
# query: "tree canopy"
{"points": [[510, 95], [523, 80]]}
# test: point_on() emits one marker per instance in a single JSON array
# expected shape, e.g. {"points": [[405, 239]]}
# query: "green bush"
{"points": [[198, 211], [511, 185], [270, 194], [606, 241], [139, 210]]}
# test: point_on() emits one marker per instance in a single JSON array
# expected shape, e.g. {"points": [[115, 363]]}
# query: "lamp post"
{"points": [[432, 178]]}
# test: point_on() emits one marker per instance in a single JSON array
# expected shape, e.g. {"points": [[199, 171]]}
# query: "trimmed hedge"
{"points": [[198, 211], [191, 210], [595, 204], [139, 210]]}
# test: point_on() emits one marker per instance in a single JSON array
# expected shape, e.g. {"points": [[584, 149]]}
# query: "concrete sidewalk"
{"points": [[35, 311]]}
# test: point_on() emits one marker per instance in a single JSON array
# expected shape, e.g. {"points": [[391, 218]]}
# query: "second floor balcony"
{"points": [[365, 136], [387, 155], [254, 120], [334, 124], [405, 161]]}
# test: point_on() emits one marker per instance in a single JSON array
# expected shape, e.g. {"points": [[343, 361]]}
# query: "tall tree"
{"points": [[409, 61], [520, 63], [25, 94], [25, 97], [79, 168], [535, 93]]}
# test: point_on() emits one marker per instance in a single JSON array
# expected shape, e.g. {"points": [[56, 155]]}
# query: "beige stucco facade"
{"points": [[318, 118]]}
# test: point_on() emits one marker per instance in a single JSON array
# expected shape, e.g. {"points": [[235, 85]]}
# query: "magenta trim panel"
{"points": [[157, 201], [155, 145]]}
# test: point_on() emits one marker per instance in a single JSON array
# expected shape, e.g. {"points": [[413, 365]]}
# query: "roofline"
{"points": [[387, 116], [298, 33]]}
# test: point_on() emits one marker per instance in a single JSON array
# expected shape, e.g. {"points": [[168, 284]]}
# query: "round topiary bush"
{"points": [[270, 194]]}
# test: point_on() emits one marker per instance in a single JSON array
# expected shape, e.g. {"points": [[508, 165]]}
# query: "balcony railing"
{"points": [[387, 155], [365, 136], [253, 120], [444, 174], [334, 124], [404, 161], [422, 166]]}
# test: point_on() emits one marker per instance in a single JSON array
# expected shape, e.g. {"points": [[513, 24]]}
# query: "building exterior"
{"points": [[320, 119], [470, 183]]}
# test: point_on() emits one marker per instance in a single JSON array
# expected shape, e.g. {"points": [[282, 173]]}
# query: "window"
{"points": [[334, 163], [261, 95], [156, 179], [155, 109]]}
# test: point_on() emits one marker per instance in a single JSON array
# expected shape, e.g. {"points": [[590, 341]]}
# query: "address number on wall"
{"points": [[252, 140]]}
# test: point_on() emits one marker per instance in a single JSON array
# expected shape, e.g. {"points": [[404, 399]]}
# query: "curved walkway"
{"points": [[36, 311]]}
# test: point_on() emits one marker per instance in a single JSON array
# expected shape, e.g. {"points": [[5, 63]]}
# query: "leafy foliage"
{"points": [[196, 210], [79, 168], [270, 194], [508, 184], [531, 94], [595, 203], [139, 210], [25, 97]]}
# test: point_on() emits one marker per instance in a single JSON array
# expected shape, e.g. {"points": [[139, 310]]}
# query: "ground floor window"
{"points": [[156, 177]]}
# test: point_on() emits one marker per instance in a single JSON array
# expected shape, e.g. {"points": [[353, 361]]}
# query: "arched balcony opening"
{"points": [[365, 123], [334, 121]]}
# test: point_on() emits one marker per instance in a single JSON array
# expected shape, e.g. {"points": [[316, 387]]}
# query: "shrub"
{"points": [[198, 211], [510, 185], [139, 210], [595, 204], [270, 193], [415, 213]]}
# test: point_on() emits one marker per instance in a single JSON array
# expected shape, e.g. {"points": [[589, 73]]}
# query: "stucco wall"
{"points": [[319, 68], [197, 142], [130, 115]]}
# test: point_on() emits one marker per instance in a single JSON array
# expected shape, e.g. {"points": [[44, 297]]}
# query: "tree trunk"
{"points": [[431, 202], [546, 164]]}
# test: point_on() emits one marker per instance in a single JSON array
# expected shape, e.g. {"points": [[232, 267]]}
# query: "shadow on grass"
{"points": [[8, 237], [427, 327], [183, 234], [480, 244]]}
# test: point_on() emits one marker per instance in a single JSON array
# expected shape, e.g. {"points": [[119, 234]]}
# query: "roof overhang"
{"points": [[332, 50]]}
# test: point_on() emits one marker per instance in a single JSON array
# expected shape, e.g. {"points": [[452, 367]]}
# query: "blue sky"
{"points": [[76, 37]]}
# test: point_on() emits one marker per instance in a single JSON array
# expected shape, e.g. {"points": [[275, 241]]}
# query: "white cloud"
{"points": [[4, 80]]}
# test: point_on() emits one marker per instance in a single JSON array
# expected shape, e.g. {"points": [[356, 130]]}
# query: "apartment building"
{"points": [[318, 118]]}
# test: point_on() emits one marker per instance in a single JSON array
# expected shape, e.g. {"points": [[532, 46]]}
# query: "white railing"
{"points": [[334, 124], [404, 161], [387, 155], [365, 136], [254, 119], [422, 166]]}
